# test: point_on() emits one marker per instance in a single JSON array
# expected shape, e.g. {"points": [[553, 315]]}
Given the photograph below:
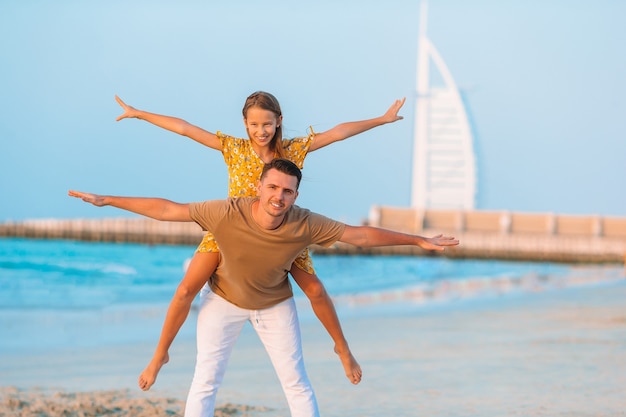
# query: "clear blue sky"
{"points": [[545, 80]]}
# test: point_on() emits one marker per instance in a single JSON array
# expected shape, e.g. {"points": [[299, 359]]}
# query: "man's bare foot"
{"points": [[350, 365], [149, 375]]}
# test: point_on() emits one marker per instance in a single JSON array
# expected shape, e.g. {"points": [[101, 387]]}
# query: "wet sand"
{"points": [[558, 352]]}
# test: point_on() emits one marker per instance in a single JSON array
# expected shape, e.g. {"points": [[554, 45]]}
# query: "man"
{"points": [[259, 239]]}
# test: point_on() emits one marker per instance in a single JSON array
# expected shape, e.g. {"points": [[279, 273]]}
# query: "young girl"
{"points": [[245, 159]]}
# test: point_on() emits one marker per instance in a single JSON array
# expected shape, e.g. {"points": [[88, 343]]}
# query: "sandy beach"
{"points": [[558, 352]]}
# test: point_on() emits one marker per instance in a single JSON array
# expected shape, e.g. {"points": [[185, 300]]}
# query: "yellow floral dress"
{"points": [[244, 171]]}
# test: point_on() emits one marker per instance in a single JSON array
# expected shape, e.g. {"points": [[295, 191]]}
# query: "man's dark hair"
{"points": [[286, 167]]}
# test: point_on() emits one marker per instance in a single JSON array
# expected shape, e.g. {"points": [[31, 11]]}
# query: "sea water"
{"points": [[59, 293]]}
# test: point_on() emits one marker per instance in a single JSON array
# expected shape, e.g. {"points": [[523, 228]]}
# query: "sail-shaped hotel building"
{"points": [[444, 165]]}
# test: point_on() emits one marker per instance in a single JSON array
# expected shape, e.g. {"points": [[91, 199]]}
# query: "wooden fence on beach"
{"points": [[483, 234]]}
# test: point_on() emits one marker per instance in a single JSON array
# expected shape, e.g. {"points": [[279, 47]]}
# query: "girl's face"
{"points": [[261, 125]]}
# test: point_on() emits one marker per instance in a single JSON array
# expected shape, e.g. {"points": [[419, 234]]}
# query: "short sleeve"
{"points": [[325, 231], [208, 213], [230, 147], [296, 149]]}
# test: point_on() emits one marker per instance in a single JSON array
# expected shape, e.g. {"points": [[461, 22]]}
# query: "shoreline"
{"points": [[554, 352]]}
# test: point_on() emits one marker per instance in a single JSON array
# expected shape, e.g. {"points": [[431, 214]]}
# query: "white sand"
{"points": [[554, 353]]}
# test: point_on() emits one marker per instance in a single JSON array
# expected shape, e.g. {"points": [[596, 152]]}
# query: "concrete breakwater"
{"points": [[483, 234], [132, 230], [504, 235]]}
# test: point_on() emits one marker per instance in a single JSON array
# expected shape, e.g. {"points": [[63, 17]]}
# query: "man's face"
{"points": [[277, 192]]}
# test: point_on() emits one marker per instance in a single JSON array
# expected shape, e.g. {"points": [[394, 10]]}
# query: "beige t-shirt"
{"points": [[254, 262]]}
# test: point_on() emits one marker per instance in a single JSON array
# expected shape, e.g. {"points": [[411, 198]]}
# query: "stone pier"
{"points": [[483, 234]]}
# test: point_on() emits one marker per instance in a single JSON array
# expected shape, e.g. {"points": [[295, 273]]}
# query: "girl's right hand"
{"points": [[129, 111]]}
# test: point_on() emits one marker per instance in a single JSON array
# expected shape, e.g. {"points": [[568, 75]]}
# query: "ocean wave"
{"points": [[477, 287], [70, 268]]}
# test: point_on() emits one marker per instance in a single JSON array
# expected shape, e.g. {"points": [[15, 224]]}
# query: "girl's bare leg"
{"points": [[324, 309], [200, 269]]}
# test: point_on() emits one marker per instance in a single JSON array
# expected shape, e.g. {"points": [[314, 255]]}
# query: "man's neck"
{"points": [[264, 220]]}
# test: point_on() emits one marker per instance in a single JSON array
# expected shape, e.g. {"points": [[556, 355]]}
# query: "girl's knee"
{"points": [[185, 293], [310, 284], [315, 289]]}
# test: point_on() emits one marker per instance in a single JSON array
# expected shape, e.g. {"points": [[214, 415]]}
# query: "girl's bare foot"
{"points": [[149, 375], [350, 365]]}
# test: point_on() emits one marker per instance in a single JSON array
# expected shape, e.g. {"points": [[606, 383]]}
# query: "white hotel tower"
{"points": [[444, 166]]}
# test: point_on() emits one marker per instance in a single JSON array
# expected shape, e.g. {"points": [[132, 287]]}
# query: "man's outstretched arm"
{"points": [[156, 208], [367, 236]]}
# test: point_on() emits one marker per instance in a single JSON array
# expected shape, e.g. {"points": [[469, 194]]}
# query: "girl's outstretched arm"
{"points": [[346, 130], [173, 124]]}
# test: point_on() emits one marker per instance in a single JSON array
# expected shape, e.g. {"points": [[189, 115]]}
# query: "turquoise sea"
{"points": [[58, 293]]}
